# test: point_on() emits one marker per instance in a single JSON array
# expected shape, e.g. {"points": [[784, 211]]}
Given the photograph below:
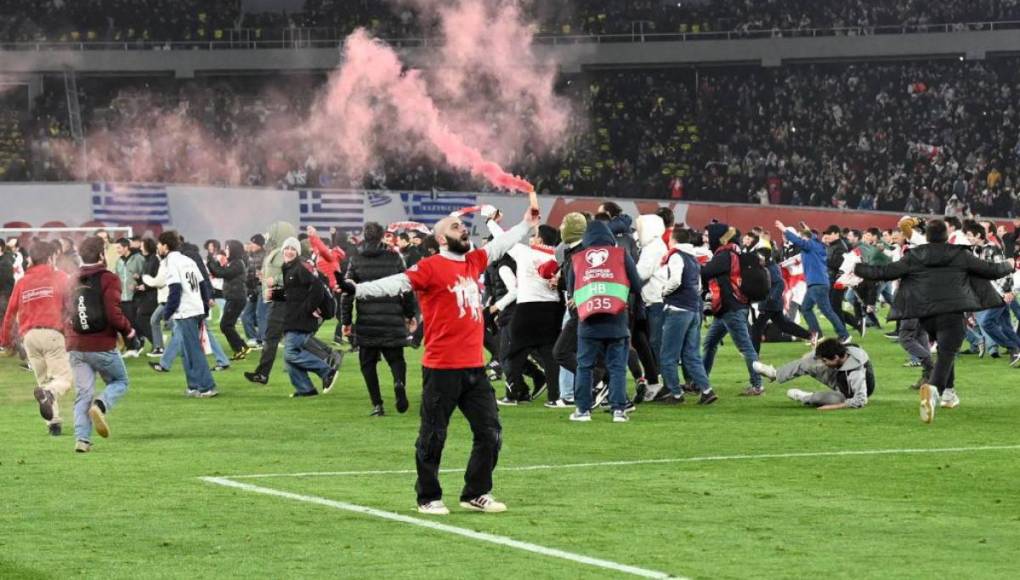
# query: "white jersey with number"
{"points": [[182, 270]]}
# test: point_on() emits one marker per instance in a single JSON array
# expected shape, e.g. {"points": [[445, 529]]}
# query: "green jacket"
{"points": [[272, 264], [126, 271], [872, 255]]}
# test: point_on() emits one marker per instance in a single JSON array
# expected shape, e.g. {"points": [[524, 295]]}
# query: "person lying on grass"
{"points": [[845, 369]]}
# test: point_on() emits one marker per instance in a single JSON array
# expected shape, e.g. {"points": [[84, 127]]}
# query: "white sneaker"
{"points": [[929, 402], [949, 399], [798, 395], [651, 392], [484, 503], [578, 416], [557, 404], [767, 371], [620, 416], [434, 508]]}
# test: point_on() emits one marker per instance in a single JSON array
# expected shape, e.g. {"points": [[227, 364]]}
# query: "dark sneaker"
{"points": [[335, 360], [298, 395], [641, 391], [219, 368], [601, 393], [256, 378], [539, 387], [893, 336], [674, 399], [155, 353], [98, 417], [241, 354], [158, 367], [45, 399], [708, 397], [401, 395], [329, 381], [55, 429], [377, 411], [753, 392]]}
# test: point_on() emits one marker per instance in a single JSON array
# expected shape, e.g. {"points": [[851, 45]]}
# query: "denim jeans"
{"points": [[167, 360], [156, 322], [614, 352], [85, 366], [818, 294], [733, 322], [997, 324], [249, 320], [656, 315], [196, 368], [681, 341], [299, 362]]}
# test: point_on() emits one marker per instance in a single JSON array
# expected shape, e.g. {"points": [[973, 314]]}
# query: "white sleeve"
{"points": [[394, 285], [494, 228], [675, 274], [173, 273], [502, 243], [510, 281], [647, 264]]}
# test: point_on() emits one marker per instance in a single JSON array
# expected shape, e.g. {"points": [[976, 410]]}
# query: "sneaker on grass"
{"points": [[557, 404], [581, 416], [753, 392], [434, 508], [708, 397], [929, 402], [767, 371], [82, 446], [798, 395], [158, 367], [97, 413], [329, 381], [400, 393], [55, 429], [620, 416], [949, 400], [45, 400], [484, 503]]}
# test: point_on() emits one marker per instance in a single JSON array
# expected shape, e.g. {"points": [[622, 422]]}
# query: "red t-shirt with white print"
{"points": [[451, 307]]}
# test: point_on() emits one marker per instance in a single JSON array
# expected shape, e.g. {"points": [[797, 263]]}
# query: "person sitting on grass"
{"points": [[846, 369]]}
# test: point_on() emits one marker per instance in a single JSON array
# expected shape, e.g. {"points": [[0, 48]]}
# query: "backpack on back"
{"points": [[88, 312], [754, 281], [601, 285], [327, 302]]}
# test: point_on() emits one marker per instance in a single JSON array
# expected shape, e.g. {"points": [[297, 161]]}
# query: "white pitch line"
{"points": [[793, 455], [431, 525]]}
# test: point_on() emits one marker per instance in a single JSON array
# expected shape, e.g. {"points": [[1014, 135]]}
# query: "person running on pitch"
{"points": [[453, 368]]}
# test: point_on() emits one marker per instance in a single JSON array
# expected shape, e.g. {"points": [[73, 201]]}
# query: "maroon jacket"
{"points": [[116, 322]]}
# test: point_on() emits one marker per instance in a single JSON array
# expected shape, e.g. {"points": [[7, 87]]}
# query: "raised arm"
{"points": [[518, 234]]}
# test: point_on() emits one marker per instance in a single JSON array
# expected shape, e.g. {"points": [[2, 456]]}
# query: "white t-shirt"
{"points": [[182, 270]]}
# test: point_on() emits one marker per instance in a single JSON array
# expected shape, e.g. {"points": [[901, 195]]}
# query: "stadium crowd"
{"points": [[162, 20], [929, 137]]}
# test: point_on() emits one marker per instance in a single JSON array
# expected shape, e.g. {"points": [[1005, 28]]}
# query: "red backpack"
{"points": [[601, 285]]}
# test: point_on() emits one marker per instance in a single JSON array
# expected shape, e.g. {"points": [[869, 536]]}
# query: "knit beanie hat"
{"points": [[291, 243], [259, 240], [572, 228], [715, 234]]}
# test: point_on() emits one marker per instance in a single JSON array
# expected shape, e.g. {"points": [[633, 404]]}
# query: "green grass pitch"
{"points": [[136, 507]]}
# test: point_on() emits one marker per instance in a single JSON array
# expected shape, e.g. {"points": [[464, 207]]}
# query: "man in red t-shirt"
{"points": [[453, 368]]}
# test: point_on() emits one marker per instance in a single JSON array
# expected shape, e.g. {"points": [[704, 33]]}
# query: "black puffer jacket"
{"points": [[939, 279], [234, 274], [381, 321]]}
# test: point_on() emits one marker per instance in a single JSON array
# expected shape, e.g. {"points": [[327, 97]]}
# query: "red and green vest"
{"points": [[601, 285]]}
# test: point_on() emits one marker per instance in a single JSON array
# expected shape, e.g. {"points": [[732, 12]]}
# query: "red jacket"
{"points": [[36, 302], [327, 261], [116, 322]]}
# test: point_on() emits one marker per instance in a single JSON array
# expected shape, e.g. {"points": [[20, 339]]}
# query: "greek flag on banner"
{"points": [[344, 210], [376, 199], [130, 203], [428, 208]]}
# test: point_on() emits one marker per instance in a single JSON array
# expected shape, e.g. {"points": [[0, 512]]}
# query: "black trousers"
{"points": [[640, 341], [949, 331], [143, 312], [444, 390], [130, 312], [515, 387], [274, 333], [836, 300], [369, 357], [786, 326], [228, 324]]}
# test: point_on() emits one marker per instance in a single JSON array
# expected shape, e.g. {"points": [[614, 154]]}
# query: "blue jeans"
{"points": [[156, 324], [249, 320], [167, 360], [196, 368], [818, 294], [299, 362], [734, 323], [566, 377], [996, 323], [681, 334], [656, 315], [614, 351], [85, 366]]}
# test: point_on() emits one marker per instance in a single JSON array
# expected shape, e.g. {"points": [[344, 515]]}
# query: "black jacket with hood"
{"points": [[939, 278], [381, 322], [234, 274]]}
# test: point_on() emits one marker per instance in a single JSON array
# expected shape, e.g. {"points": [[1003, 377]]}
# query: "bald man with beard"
{"points": [[453, 368]]}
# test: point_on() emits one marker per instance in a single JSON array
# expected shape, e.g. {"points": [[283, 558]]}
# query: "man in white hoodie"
{"points": [[653, 273]]}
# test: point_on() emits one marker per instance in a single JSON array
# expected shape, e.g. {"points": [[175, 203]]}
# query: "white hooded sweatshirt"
{"points": [[653, 250]]}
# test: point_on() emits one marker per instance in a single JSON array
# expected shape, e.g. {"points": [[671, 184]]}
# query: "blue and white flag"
{"points": [[376, 199], [428, 208], [130, 203], [344, 210]]}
